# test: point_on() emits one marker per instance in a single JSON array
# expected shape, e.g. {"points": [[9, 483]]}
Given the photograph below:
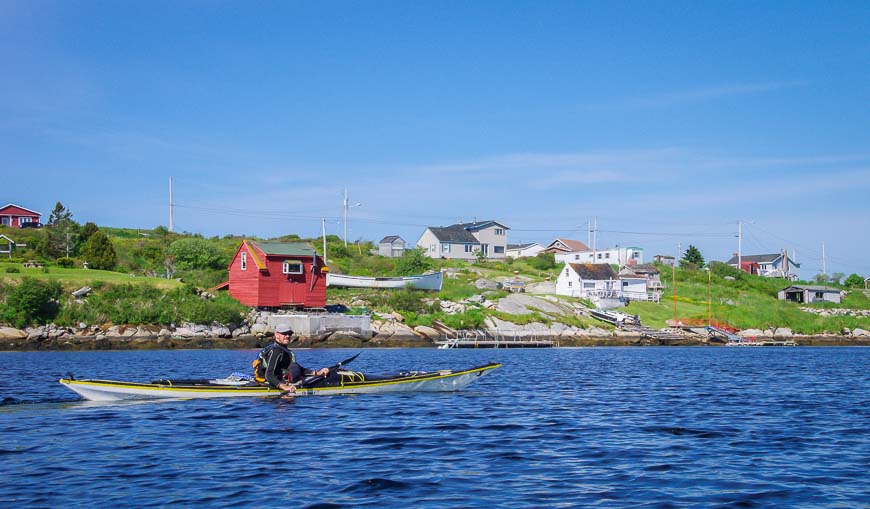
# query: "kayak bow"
{"points": [[344, 382]]}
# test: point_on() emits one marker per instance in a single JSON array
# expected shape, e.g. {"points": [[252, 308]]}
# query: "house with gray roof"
{"points": [[806, 294], [463, 240], [391, 246], [768, 265]]}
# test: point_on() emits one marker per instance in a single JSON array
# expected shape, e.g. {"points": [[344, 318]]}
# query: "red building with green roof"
{"points": [[277, 274]]}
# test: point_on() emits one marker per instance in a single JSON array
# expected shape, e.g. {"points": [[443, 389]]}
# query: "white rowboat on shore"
{"points": [[421, 282]]}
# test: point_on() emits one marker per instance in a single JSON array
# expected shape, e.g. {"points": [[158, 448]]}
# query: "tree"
{"points": [[820, 278], [32, 301], [87, 230], [99, 252], [196, 253], [836, 277], [543, 261], [692, 258], [61, 232], [412, 261], [854, 281], [480, 256]]}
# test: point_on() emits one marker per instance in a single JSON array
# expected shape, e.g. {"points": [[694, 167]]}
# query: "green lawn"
{"points": [[82, 277]]}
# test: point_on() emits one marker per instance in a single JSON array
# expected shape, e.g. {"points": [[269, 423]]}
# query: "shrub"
{"points": [[543, 261], [196, 253], [412, 261], [65, 262], [407, 300], [33, 300], [99, 252], [12, 270]]}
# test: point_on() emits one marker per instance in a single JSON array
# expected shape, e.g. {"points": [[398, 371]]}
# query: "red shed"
{"points": [[16, 216], [277, 274]]}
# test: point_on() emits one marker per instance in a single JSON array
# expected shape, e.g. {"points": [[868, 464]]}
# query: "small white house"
{"points": [[615, 256], [391, 246], [464, 240], [523, 250], [588, 280], [664, 260], [648, 272], [561, 245], [810, 294]]}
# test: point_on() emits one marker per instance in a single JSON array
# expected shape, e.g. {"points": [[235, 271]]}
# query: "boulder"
{"points": [[397, 316], [220, 331], [486, 284], [521, 304], [783, 332], [184, 332], [750, 333], [546, 287], [860, 333], [10, 333], [164, 333], [428, 332]]}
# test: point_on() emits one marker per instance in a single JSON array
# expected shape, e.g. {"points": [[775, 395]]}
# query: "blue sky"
{"points": [[669, 121]]}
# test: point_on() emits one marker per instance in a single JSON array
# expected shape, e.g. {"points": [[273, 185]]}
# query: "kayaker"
{"points": [[278, 363]]}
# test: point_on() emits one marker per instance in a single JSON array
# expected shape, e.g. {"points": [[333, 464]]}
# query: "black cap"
{"points": [[284, 329]]}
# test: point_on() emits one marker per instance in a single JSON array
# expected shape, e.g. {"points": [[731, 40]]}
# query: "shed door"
{"points": [[293, 289]]}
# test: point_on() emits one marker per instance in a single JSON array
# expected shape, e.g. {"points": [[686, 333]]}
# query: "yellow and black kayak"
{"points": [[340, 382]]}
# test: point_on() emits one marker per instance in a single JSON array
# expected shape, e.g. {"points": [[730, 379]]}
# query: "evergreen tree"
{"points": [[99, 252], [60, 233], [87, 230], [692, 258]]}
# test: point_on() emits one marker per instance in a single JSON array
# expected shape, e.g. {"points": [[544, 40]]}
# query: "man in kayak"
{"points": [[278, 363]]}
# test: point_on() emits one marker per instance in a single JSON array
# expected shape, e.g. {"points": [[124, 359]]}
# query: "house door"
{"points": [[485, 249]]}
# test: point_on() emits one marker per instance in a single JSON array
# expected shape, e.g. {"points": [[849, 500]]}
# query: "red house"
{"points": [[277, 274], [17, 216]]}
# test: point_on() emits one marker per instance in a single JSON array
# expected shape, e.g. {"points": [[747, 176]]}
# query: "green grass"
{"points": [[81, 277]]}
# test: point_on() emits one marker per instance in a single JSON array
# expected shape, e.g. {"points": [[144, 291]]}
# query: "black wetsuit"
{"points": [[281, 366]]}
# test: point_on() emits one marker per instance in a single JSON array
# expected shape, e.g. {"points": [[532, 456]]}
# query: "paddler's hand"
{"points": [[322, 372], [287, 388]]}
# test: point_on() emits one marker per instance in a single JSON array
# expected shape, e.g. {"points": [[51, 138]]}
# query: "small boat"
{"points": [[431, 281], [343, 382]]}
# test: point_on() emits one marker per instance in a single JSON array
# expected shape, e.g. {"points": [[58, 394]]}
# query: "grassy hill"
{"points": [[740, 299]]}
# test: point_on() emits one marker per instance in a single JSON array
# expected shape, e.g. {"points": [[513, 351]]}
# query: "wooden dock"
{"points": [[495, 339]]}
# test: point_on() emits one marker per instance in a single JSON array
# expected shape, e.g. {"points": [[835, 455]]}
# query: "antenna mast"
{"points": [[170, 205]]}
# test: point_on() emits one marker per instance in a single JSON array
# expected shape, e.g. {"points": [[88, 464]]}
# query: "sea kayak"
{"points": [[342, 382]]}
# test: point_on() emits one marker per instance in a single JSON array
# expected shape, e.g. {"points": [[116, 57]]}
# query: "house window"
{"points": [[498, 249], [589, 285], [599, 256], [445, 248], [570, 284], [635, 254], [290, 267], [499, 231], [23, 220], [431, 248], [576, 257], [469, 248], [624, 284], [566, 271], [244, 261], [6, 220], [607, 255]]}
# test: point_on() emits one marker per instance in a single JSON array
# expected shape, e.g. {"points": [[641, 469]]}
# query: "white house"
{"points": [[599, 283], [664, 260], [463, 240], [615, 256], [523, 250], [391, 246], [809, 294], [768, 265]]}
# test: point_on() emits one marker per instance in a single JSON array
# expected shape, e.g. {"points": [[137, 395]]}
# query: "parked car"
{"points": [[33, 224]]}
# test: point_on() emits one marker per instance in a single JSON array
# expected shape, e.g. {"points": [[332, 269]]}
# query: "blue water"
{"points": [[604, 427]]}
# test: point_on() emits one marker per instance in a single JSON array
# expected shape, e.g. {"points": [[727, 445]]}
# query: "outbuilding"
{"points": [[277, 275], [391, 246], [810, 294]]}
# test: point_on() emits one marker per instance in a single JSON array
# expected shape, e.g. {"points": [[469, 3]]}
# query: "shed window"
{"points": [[244, 261], [292, 267], [820, 295]]}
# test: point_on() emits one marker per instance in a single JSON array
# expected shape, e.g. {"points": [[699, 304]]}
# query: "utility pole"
{"points": [[824, 261], [739, 244], [595, 239], [67, 244], [170, 205], [588, 233], [345, 217], [323, 220], [679, 250]]}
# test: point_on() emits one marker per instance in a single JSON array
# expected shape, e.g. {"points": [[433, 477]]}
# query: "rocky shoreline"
{"points": [[140, 340]]}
